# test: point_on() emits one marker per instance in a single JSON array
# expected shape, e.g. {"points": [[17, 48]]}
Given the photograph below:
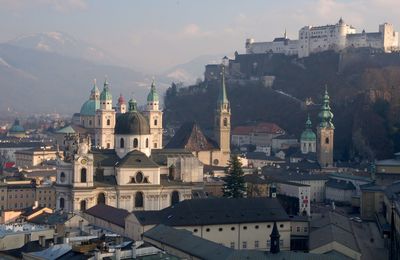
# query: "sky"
{"points": [[157, 34]]}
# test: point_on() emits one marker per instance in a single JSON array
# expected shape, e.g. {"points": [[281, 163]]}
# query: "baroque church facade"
{"points": [[125, 165]]}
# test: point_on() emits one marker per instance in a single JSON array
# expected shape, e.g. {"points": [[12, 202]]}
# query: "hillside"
{"points": [[364, 87]]}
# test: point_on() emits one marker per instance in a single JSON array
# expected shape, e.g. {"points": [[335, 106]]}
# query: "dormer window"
{"points": [[139, 177]]}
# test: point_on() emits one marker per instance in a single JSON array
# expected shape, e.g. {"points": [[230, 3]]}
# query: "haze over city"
{"points": [[157, 35]]}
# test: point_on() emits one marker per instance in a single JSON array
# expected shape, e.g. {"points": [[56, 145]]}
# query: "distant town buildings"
{"points": [[314, 39]]}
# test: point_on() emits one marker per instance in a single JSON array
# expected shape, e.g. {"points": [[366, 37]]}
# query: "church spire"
{"points": [[222, 97], [152, 96], [325, 114], [274, 248], [132, 105]]}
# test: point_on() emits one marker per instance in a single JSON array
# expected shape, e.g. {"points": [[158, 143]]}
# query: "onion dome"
{"points": [[106, 94], [89, 107], [325, 114], [132, 122], [308, 134], [152, 96], [16, 127], [121, 99]]}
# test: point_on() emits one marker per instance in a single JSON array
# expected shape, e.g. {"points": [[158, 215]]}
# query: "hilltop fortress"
{"points": [[313, 39]]}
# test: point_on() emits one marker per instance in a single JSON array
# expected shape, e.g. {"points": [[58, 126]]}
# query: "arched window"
{"points": [[174, 197], [101, 198], [83, 175], [139, 200], [90, 122], [108, 122], [139, 177], [327, 140], [62, 177], [155, 122], [225, 121], [83, 205], [135, 143], [147, 142], [108, 145], [155, 145], [121, 143], [62, 203]]}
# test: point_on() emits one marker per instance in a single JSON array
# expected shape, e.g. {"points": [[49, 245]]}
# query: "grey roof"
{"points": [[160, 156], [50, 218], [332, 227], [21, 144], [292, 175], [108, 213], [192, 245], [257, 156], [388, 162], [340, 184], [132, 123], [190, 137], [105, 157], [136, 159], [256, 179], [351, 176], [215, 211]]}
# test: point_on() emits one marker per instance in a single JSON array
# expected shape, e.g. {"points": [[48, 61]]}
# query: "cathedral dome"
{"points": [[132, 122], [16, 127], [308, 135], [89, 107]]}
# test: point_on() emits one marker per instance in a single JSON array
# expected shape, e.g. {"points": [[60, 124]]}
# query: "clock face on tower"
{"points": [[83, 161]]}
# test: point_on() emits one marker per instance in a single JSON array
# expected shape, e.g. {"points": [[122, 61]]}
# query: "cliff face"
{"points": [[364, 87]]}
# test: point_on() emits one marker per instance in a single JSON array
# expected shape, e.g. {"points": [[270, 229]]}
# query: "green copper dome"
{"points": [[106, 94], [325, 114], [152, 96], [308, 134], [16, 127], [89, 107]]}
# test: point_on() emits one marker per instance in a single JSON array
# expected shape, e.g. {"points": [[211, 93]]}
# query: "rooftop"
{"points": [[8, 229], [113, 215]]}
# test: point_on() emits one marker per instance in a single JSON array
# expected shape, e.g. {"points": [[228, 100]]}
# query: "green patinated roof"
{"points": [[66, 130], [325, 114], [89, 107], [106, 94], [222, 97], [95, 89], [16, 127], [308, 134], [152, 96]]}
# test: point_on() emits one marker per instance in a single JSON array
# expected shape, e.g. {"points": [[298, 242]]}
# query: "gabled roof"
{"points": [[113, 215], [136, 159], [190, 137], [340, 184], [215, 211], [105, 157], [264, 127]]}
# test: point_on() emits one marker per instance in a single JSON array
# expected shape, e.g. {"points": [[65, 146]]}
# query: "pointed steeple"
{"points": [[106, 94], [222, 97], [308, 122], [326, 114], [274, 248], [152, 96], [285, 34]]}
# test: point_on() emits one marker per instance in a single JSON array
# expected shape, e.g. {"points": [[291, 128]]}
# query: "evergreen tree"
{"points": [[234, 186]]}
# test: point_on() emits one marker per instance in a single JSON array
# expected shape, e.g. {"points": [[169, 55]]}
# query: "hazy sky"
{"points": [[157, 34]]}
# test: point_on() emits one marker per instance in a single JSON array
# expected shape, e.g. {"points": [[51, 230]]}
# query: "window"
{"points": [[256, 227], [62, 177], [101, 198], [281, 242], [122, 143], [268, 226], [268, 243], [225, 121], [195, 230], [108, 145], [327, 140], [108, 122], [135, 143], [83, 175], [298, 229], [62, 203], [216, 162], [155, 145], [233, 245], [147, 142], [90, 122], [83, 205], [139, 200], [244, 227], [220, 229], [174, 197], [207, 230], [244, 245], [281, 225], [232, 228], [256, 244], [305, 229], [139, 177], [155, 122]]}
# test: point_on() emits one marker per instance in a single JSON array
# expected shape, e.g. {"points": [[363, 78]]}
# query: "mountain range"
{"points": [[53, 72]]}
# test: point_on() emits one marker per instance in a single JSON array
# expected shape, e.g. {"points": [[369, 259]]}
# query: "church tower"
{"points": [[105, 120], [325, 132], [121, 106], [154, 116], [222, 127], [308, 139]]}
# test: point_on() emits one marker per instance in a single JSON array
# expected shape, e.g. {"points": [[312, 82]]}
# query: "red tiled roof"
{"points": [[264, 127]]}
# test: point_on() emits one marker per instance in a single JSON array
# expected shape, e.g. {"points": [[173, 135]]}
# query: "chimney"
{"points": [[36, 205]]}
